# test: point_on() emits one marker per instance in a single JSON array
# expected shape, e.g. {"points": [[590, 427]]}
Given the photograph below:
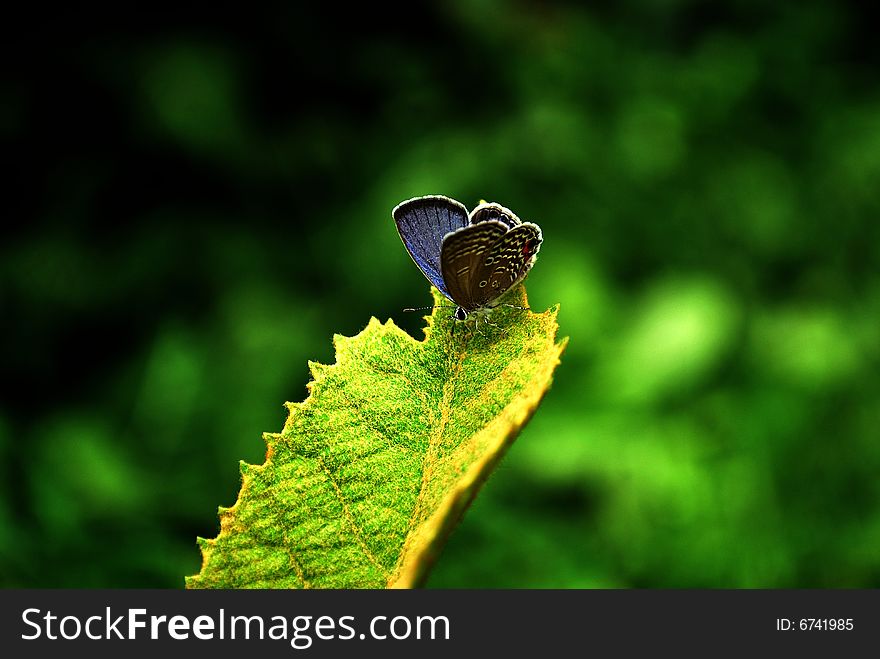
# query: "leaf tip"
{"points": [[317, 369], [271, 439], [340, 341]]}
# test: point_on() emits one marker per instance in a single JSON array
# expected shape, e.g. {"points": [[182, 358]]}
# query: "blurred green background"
{"points": [[200, 200]]}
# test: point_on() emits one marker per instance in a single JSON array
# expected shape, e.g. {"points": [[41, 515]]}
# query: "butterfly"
{"points": [[472, 258]]}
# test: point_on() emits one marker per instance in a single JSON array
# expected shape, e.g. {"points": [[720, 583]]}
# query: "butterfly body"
{"points": [[472, 258]]}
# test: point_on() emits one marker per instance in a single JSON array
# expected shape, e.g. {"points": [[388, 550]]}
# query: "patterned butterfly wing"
{"points": [[422, 223], [499, 268], [463, 256], [493, 211], [510, 260]]}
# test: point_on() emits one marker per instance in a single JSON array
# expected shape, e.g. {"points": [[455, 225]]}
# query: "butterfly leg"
{"points": [[495, 325], [477, 325]]}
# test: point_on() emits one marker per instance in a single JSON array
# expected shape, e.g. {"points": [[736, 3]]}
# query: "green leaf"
{"points": [[372, 472]]}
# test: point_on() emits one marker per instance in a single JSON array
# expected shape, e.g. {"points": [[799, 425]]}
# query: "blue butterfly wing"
{"points": [[422, 223]]}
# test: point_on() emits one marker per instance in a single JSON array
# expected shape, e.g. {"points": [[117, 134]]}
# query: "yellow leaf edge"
{"points": [[425, 543]]}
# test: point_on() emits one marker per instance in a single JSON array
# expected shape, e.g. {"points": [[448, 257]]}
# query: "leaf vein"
{"points": [[350, 519]]}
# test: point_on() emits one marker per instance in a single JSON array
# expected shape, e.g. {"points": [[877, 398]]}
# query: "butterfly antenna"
{"points": [[516, 306], [438, 306]]}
